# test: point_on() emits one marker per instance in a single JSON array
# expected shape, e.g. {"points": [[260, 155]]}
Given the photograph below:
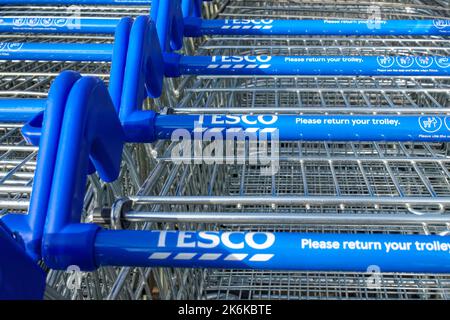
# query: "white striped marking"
{"points": [[261, 257], [239, 66], [264, 66], [160, 255], [257, 27], [216, 129], [267, 27], [236, 257], [226, 27], [246, 27], [210, 256], [269, 130], [212, 66], [251, 66], [225, 66], [184, 256], [234, 130]]}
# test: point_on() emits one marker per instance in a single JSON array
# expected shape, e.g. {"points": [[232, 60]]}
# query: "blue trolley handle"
{"points": [[148, 126], [57, 25], [30, 226], [195, 27], [177, 65], [68, 242]]}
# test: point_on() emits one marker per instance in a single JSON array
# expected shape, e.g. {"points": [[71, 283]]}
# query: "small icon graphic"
{"points": [[430, 124], [405, 62], [32, 22], [18, 22], [60, 22], [447, 122], [424, 61], [14, 46], [385, 61], [441, 24], [2, 45], [46, 22], [443, 62]]}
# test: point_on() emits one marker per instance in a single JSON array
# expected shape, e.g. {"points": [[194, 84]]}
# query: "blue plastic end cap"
{"points": [[31, 131], [192, 27], [140, 126], [72, 246], [172, 65]]}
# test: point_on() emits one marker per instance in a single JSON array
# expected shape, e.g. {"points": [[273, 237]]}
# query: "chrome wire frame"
{"points": [[326, 187]]}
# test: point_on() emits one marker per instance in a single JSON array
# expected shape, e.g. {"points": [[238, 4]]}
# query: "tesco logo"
{"points": [[248, 21], [214, 239], [267, 119], [239, 59]]}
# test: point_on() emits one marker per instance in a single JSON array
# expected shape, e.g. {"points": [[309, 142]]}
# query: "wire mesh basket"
{"points": [[349, 187]]}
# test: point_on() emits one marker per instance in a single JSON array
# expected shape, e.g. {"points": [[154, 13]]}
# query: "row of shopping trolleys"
{"points": [[349, 154]]}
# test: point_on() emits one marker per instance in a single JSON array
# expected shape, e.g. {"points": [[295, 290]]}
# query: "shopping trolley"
{"points": [[22, 80], [315, 168], [319, 168], [162, 126]]}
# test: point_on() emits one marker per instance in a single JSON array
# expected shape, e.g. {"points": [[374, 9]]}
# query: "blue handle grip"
{"points": [[314, 65], [274, 251], [314, 128], [20, 110], [288, 127], [55, 51], [57, 24], [197, 27]]}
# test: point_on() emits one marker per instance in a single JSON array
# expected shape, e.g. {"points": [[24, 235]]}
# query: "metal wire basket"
{"points": [[352, 187]]}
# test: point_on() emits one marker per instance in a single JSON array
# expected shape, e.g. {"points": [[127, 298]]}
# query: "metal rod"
{"points": [[289, 200], [283, 218]]}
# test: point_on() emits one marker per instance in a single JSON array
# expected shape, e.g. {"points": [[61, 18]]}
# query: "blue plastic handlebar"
{"points": [[274, 251], [57, 25], [195, 27]]}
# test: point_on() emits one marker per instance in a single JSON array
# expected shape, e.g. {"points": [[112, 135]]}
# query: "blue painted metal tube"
{"points": [[57, 24], [55, 51], [314, 127], [315, 65], [73, 2], [323, 27], [20, 110], [288, 127], [274, 251]]}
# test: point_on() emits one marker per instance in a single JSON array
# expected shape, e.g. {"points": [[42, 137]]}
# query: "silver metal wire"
{"points": [[329, 187]]}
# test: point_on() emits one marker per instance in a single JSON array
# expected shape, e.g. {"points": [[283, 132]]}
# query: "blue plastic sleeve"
{"points": [[324, 27], [55, 51], [315, 65], [57, 24], [274, 251], [313, 127], [20, 110]]}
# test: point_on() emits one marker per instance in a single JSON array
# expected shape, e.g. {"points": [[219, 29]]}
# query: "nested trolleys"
{"points": [[137, 128], [317, 171], [27, 79]]}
